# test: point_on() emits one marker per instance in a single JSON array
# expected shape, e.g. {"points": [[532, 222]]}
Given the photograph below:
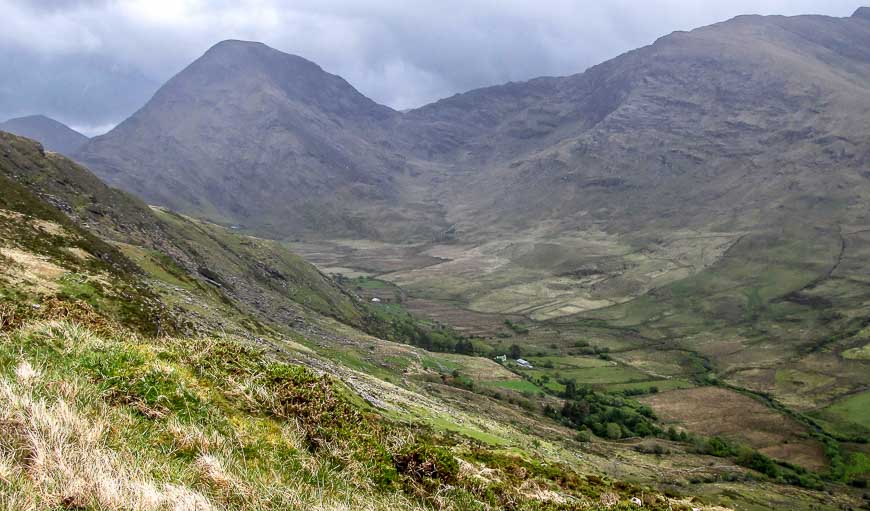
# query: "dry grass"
{"points": [[55, 454], [714, 411], [10, 316], [235, 430], [33, 271], [64, 445], [51, 228]]}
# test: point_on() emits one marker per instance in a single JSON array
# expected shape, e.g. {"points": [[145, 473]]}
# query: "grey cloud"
{"points": [[403, 54]]}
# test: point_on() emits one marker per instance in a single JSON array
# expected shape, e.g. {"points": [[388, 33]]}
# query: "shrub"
{"points": [[613, 431]]}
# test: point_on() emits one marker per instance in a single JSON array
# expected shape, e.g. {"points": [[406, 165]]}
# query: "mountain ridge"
{"points": [[470, 160], [54, 135]]}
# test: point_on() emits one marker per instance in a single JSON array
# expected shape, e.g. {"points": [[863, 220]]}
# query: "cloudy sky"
{"points": [[91, 63]]}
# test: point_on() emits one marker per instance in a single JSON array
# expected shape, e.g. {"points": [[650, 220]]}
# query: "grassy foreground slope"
{"points": [[111, 420], [142, 369]]}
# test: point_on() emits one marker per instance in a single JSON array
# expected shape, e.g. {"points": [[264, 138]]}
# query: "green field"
{"points": [[560, 363], [849, 416], [517, 385], [550, 371], [605, 375]]}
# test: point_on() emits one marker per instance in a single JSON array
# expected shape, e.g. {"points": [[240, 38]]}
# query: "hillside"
{"points": [[719, 129], [259, 276], [54, 135], [166, 386]]}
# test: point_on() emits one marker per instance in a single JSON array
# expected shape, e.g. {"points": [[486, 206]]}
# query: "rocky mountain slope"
{"points": [[249, 135], [55, 136], [723, 126], [718, 128]]}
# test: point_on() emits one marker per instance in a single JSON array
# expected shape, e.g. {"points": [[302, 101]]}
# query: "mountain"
{"points": [[728, 122], [55, 136], [724, 126], [251, 136]]}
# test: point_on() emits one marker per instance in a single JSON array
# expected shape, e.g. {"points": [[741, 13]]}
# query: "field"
{"points": [[517, 385], [600, 375], [849, 416], [559, 277], [469, 322], [713, 411]]}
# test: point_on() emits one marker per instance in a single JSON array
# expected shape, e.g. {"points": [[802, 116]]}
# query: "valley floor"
{"points": [[730, 338]]}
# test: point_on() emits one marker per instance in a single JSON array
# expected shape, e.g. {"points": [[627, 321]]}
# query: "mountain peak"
{"points": [[54, 135], [236, 49], [228, 43], [862, 12], [36, 118], [248, 69]]}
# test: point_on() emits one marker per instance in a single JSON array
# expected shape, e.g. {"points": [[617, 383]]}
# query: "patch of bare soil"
{"points": [[10, 215], [79, 253]]}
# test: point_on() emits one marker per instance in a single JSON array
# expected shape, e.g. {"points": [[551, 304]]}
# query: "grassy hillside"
{"points": [[115, 421], [44, 254], [256, 275], [194, 367]]}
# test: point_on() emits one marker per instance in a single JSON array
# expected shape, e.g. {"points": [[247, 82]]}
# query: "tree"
{"points": [[613, 431], [570, 389], [515, 352], [464, 347]]}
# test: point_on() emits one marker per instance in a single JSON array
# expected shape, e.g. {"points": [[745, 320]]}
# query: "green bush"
{"points": [[612, 431]]}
